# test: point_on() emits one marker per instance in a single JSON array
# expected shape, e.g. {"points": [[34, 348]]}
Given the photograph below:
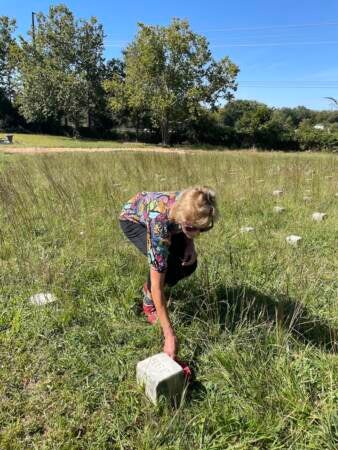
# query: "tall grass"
{"points": [[257, 321]]}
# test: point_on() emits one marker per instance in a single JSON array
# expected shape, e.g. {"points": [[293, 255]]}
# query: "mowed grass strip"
{"points": [[257, 321], [50, 141]]}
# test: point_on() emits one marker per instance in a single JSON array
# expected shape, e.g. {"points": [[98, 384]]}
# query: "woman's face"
{"points": [[190, 231]]}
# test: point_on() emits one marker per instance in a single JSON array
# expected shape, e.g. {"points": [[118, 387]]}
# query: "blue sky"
{"points": [[286, 50]]}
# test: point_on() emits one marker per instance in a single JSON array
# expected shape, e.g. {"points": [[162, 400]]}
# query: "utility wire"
{"points": [[272, 27], [273, 44], [289, 81], [286, 87], [120, 44], [262, 28]]}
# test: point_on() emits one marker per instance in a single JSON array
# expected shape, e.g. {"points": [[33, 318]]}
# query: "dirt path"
{"points": [[39, 150]]}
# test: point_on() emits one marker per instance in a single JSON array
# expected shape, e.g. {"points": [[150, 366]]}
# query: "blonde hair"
{"points": [[196, 206]]}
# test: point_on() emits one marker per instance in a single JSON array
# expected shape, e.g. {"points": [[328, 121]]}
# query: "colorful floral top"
{"points": [[152, 209]]}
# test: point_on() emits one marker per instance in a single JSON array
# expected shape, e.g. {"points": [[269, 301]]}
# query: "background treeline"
{"points": [[166, 88]]}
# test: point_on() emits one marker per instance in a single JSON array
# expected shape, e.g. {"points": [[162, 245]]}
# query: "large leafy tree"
{"points": [[7, 65], [60, 69], [170, 72], [90, 63]]}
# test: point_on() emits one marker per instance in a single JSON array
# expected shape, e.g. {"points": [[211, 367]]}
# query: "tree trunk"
{"points": [[165, 131], [137, 125], [89, 115]]}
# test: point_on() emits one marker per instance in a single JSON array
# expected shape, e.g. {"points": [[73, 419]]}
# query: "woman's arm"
{"points": [[190, 255], [157, 293]]}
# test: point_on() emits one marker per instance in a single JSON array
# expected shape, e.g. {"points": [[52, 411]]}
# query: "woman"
{"points": [[163, 225]]}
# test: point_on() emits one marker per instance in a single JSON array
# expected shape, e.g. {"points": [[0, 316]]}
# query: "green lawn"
{"points": [[257, 321], [43, 140]]}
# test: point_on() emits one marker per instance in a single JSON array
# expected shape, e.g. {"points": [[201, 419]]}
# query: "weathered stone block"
{"points": [[293, 239], [247, 229], [42, 298], [277, 192], [279, 209], [161, 375], [319, 216]]}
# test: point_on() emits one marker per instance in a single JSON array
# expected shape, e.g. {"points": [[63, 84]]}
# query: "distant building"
{"points": [[319, 126]]}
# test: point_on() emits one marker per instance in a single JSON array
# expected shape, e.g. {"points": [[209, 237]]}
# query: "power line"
{"points": [[270, 27], [289, 81], [273, 44], [286, 87], [120, 44], [262, 28]]}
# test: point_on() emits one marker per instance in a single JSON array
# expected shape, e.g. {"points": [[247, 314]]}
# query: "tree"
{"points": [[61, 70], [310, 138], [7, 66], [90, 62], [169, 71]]}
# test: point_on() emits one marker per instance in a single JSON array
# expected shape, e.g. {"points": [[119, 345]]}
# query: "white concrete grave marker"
{"points": [[293, 239], [277, 192], [247, 229], [318, 216], [42, 299], [279, 209], [161, 375], [307, 198]]}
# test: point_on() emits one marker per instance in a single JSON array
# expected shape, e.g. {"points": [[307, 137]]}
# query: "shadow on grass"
{"points": [[230, 306]]}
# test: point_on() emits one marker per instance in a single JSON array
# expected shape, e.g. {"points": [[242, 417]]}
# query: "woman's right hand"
{"points": [[170, 345]]}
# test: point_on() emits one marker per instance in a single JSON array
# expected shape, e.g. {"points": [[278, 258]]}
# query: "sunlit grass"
{"points": [[257, 321], [42, 140]]}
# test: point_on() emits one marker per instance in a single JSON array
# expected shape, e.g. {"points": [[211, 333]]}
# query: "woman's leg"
{"points": [[137, 234], [176, 271]]}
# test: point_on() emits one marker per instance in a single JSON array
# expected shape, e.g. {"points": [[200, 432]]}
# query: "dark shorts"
{"points": [[137, 234]]}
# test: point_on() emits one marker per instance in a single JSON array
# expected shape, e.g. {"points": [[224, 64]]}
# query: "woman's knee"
{"points": [[177, 273], [188, 270]]}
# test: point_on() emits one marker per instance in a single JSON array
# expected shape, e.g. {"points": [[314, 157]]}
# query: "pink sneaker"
{"points": [[149, 310], [186, 369]]}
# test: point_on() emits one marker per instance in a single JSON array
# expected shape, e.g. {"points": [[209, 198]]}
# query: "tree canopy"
{"points": [[61, 69], [170, 72], [166, 87]]}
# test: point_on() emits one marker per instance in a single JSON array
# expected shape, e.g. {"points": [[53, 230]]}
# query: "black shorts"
{"points": [[137, 234]]}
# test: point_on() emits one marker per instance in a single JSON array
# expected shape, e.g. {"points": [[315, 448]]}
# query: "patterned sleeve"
{"points": [[158, 242]]}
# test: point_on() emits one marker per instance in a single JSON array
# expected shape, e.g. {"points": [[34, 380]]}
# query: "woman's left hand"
{"points": [[190, 255]]}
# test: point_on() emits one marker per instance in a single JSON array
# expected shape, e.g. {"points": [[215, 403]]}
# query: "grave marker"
{"points": [[161, 375]]}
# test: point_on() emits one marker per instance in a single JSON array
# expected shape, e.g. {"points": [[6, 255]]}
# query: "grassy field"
{"points": [[258, 320], [46, 140]]}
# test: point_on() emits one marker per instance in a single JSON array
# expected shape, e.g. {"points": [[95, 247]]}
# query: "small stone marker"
{"points": [[318, 216], [247, 229], [293, 239], [306, 198], [279, 209], [42, 299], [161, 375], [277, 193]]}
